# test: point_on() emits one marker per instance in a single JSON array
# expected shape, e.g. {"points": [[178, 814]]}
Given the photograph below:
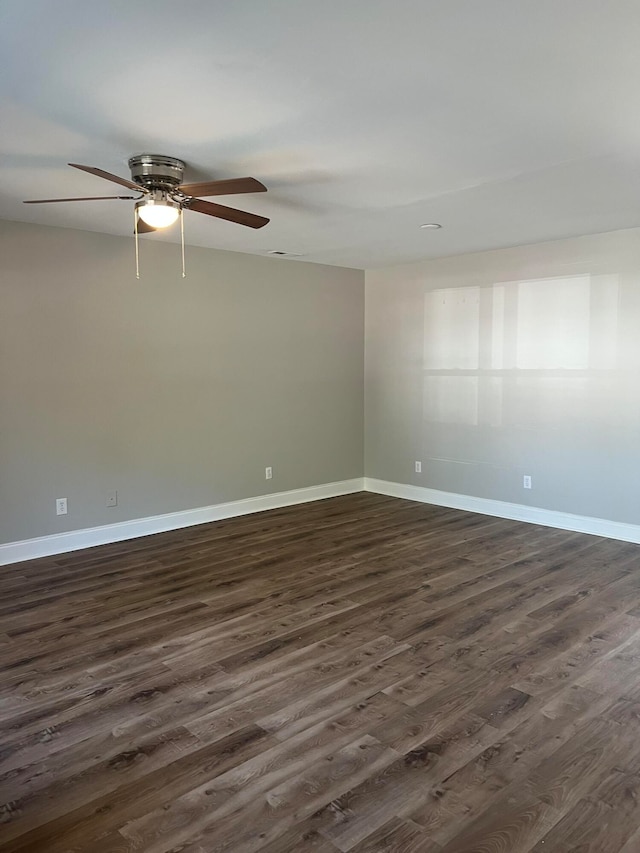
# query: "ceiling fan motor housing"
{"points": [[155, 171]]}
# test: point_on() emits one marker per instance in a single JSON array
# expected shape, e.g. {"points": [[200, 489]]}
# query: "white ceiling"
{"points": [[508, 121]]}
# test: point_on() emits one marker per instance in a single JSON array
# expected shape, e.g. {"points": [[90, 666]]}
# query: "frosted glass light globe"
{"points": [[158, 214]]}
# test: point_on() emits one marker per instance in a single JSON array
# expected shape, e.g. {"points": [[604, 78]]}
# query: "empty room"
{"points": [[320, 426]]}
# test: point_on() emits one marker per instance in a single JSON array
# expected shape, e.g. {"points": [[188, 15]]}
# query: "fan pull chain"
{"points": [[184, 275], [135, 230]]}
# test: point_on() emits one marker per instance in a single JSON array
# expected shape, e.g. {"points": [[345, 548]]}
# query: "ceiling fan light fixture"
{"points": [[158, 213]]}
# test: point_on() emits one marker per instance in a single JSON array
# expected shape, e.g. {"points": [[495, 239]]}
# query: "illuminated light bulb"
{"points": [[158, 214]]}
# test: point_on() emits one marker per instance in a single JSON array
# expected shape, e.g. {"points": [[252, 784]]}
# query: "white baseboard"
{"points": [[74, 540], [503, 509]]}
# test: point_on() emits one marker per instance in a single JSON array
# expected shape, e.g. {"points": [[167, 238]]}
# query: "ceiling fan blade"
{"points": [[252, 220], [100, 173], [230, 187], [143, 228], [87, 198]]}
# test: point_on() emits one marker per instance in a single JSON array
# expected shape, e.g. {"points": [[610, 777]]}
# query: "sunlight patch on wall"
{"points": [[553, 323], [526, 352]]}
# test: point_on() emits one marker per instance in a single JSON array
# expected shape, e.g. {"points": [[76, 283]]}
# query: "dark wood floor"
{"points": [[359, 674]]}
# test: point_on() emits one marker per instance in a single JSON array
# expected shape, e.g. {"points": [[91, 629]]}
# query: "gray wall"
{"points": [[175, 392], [490, 366]]}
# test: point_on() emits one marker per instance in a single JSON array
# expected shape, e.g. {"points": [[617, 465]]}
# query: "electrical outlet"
{"points": [[268, 473], [526, 481], [61, 506], [112, 498], [418, 467]]}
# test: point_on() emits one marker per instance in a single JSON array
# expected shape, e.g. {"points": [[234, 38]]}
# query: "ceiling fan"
{"points": [[164, 196]]}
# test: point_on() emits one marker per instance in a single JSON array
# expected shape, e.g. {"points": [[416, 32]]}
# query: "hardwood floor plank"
{"points": [[396, 836], [590, 828]]}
